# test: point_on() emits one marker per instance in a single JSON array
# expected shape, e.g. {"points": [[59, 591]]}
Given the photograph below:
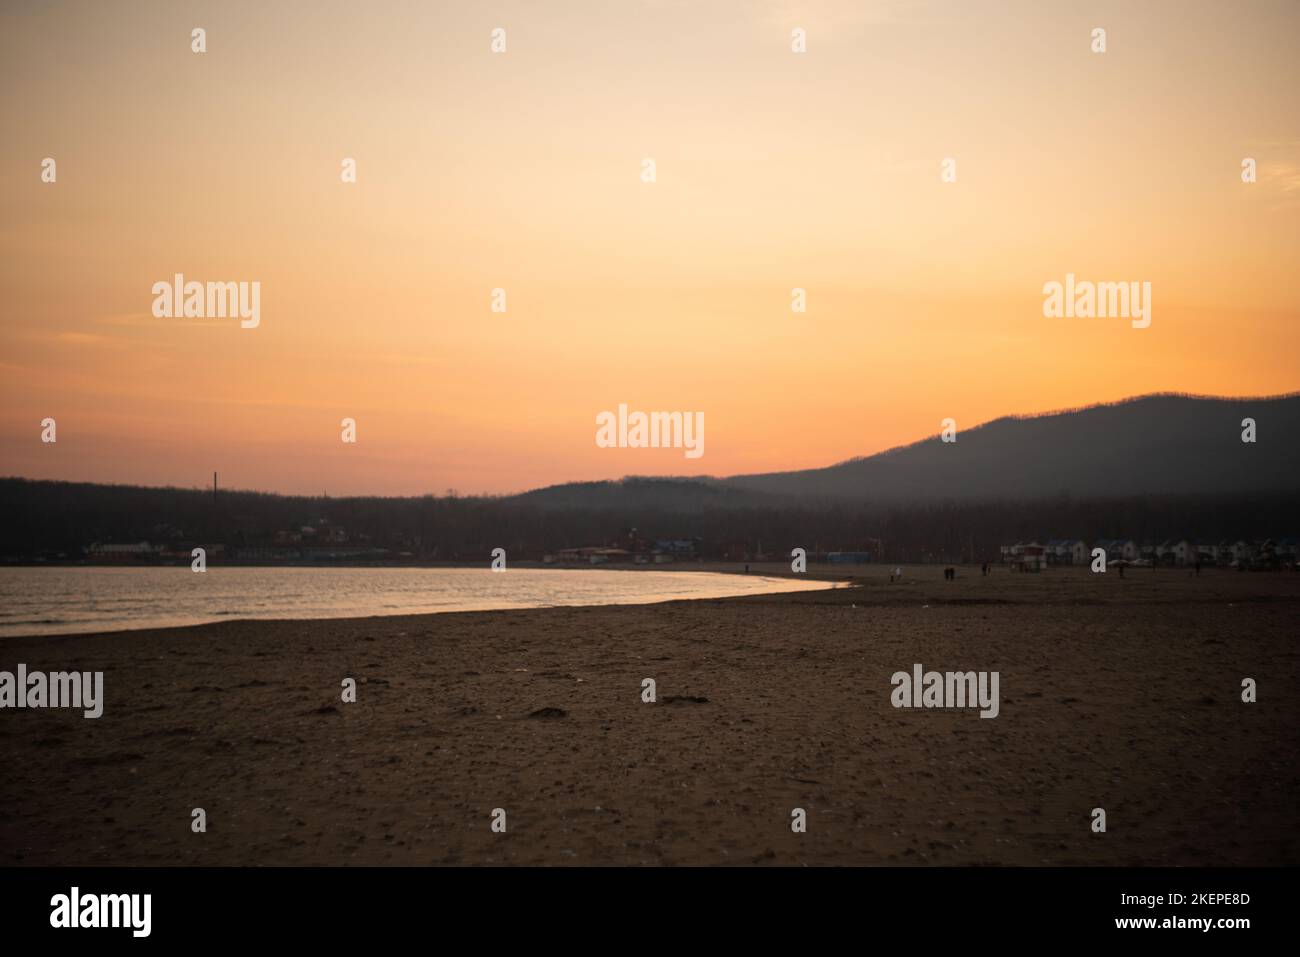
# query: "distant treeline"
{"points": [[54, 520]]}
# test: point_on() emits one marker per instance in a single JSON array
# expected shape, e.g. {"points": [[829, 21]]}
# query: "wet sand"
{"points": [[1117, 693]]}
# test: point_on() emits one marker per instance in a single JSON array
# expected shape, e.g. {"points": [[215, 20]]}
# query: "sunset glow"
{"points": [[523, 172]]}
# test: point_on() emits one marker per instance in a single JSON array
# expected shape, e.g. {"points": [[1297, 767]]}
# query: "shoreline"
{"points": [[767, 569], [807, 583], [865, 584]]}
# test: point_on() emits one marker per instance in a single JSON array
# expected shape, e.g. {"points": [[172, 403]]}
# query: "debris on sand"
{"points": [[549, 713]]}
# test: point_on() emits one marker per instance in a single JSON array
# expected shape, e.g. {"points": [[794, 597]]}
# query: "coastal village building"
{"points": [[1180, 552], [677, 547], [590, 555], [1119, 549], [1173, 552], [1067, 551], [1029, 558], [123, 553]]}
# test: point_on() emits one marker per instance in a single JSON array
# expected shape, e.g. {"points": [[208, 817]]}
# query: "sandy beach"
{"points": [[1123, 694]]}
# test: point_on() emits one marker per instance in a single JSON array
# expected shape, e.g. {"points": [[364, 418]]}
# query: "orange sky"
{"points": [[522, 171]]}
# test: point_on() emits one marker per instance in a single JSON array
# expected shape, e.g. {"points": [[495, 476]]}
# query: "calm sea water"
{"points": [[69, 600]]}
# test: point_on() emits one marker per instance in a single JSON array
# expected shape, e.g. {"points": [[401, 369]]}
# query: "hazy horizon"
{"points": [[471, 493], [521, 171]]}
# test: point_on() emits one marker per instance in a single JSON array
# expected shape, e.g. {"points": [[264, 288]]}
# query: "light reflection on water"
{"points": [[64, 600]]}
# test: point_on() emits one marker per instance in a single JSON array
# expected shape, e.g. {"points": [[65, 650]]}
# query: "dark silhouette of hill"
{"points": [[686, 495], [1162, 444], [1157, 467]]}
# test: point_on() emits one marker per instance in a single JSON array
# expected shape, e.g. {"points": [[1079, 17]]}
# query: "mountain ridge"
{"points": [[1161, 443]]}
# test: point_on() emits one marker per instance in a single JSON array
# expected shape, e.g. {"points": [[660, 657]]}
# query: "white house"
{"points": [[1119, 549], [1058, 551], [1033, 558], [1068, 551]]}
